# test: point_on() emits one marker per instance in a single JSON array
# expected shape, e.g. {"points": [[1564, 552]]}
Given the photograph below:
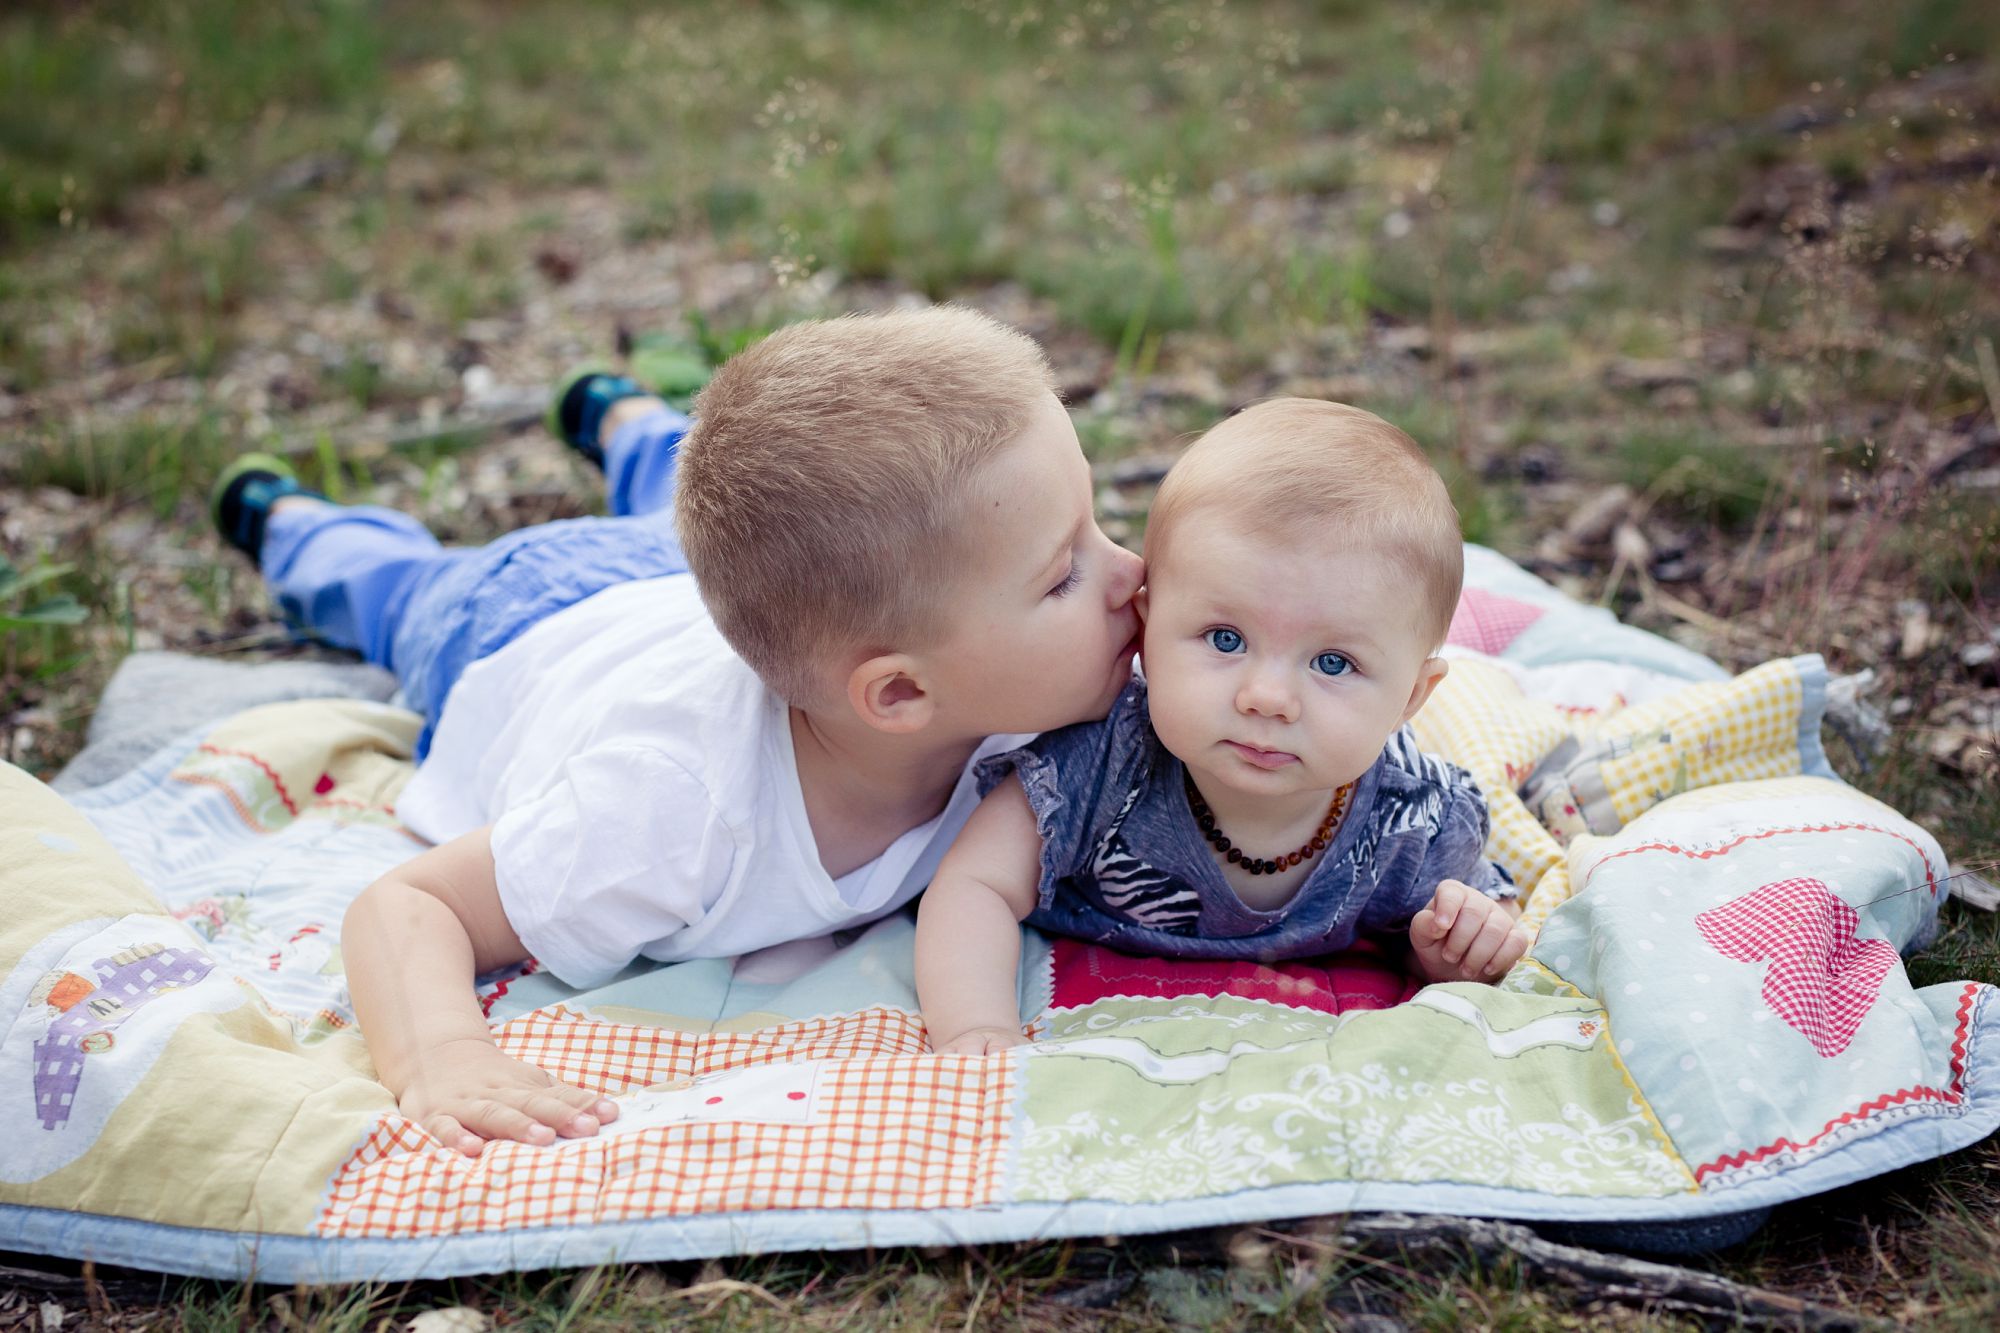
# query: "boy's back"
{"points": [[640, 785]]}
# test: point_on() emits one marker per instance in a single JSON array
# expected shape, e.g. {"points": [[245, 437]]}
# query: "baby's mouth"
{"points": [[1260, 757]]}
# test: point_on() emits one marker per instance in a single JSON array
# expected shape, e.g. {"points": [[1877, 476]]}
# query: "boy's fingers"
{"points": [[446, 1130], [583, 1102], [497, 1121], [558, 1112]]}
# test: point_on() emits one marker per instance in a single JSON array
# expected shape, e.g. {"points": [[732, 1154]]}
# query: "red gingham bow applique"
{"points": [[1823, 981]]}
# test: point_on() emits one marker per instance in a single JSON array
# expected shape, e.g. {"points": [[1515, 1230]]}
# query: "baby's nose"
{"points": [[1267, 696]]}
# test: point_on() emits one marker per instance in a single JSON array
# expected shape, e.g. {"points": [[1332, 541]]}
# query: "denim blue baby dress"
{"points": [[1124, 863]]}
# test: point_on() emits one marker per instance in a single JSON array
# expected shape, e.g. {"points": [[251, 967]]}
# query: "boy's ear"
{"points": [[887, 693], [1428, 675]]}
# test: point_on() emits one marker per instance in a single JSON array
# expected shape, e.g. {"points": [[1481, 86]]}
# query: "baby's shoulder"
{"points": [[1405, 763], [1090, 752], [1415, 790]]}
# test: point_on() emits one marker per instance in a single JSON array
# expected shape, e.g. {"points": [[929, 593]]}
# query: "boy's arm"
{"points": [[968, 927], [413, 942]]}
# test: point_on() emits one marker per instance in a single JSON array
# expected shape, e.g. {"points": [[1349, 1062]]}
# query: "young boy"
{"points": [[1255, 795], [888, 521]]}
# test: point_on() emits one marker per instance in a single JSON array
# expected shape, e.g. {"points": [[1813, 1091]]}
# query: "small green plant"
{"points": [[46, 610], [34, 624]]}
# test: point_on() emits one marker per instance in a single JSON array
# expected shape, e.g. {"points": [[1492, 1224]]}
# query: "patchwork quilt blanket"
{"points": [[1714, 1019]]}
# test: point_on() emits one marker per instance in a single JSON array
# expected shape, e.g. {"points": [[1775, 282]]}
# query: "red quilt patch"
{"points": [[1363, 977]]}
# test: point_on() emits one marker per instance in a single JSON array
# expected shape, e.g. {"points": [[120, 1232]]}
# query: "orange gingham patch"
{"points": [[895, 1128]]}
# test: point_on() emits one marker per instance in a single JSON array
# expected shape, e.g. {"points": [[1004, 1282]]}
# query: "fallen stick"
{"points": [[503, 414], [1591, 1273], [120, 1290]]}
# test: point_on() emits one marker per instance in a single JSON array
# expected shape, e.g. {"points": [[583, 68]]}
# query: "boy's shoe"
{"points": [[662, 367], [576, 412], [240, 501]]}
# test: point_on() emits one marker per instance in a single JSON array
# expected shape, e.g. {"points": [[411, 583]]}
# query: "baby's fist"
{"points": [[1462, 935], [981, 1041]]}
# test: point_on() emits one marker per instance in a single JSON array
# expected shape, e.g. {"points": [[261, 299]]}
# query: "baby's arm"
{"points": [[968, 928], [413, 942], [1463, 935]]}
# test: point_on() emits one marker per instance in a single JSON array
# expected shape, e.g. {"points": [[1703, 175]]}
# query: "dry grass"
{"points": [[1741, 261]]}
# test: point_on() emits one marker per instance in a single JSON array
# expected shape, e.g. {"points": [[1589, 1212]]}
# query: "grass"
{"points": [[227, 225]]}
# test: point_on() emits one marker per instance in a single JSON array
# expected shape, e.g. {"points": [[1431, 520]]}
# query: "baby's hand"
{"points": [[470, 1091], [1462, 935], [982, 1041]]}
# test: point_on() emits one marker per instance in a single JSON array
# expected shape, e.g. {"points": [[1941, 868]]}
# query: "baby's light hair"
{"points": [[822, 492], [1304, 470]]}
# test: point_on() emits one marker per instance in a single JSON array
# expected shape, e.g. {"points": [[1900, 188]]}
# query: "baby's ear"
{"points": [[1428, 675]]}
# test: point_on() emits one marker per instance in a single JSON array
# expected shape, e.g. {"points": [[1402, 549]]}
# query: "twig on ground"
{"points": [[503, 415], [1700, 619], [1599, 1276], [89, 1287], [1974, 889]]}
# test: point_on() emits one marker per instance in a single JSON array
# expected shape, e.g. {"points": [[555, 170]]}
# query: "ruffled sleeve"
{"points": [[1076, 779], [1433, 828]]}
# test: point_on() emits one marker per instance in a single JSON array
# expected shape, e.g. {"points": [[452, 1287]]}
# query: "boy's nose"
{"points": [[1127, 573]]}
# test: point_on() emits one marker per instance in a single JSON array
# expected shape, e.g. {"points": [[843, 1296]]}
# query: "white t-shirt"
{"points": [[643, 794]]}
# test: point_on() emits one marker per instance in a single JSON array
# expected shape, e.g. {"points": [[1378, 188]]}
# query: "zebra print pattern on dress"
{"points": [[1134, 890]]}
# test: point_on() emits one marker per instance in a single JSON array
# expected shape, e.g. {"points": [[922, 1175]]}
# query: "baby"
{"points": [[1256, 795]]}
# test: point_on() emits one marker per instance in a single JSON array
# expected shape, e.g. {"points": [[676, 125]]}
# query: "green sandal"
{"points": [[239, 504]]}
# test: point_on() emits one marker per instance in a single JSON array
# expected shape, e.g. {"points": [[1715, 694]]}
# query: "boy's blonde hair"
{"points": [[1303, 470], [822, 493]]}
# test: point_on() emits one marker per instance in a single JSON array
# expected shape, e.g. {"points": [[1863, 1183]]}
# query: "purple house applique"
{"points": [[89, 1013]]}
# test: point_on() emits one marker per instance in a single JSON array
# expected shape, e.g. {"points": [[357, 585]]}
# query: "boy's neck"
{"points": [[865, 788]]}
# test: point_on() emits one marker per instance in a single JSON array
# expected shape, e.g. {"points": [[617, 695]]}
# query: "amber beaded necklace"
{"points": [[1317, 843]]}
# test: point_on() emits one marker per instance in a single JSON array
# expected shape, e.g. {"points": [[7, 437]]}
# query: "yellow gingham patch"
{"points": [[1703, 735]]}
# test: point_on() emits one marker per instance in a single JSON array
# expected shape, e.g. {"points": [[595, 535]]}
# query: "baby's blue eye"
{"points": [[1224, 640], [1332, 664]]}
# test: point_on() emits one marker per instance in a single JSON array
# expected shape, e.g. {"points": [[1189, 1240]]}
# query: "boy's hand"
{"points": [[470, 1091], [1462, 935], [981, 1041]]}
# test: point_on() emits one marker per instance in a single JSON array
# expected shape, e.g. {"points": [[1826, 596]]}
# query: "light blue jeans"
{"points": [[377, 582]]}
